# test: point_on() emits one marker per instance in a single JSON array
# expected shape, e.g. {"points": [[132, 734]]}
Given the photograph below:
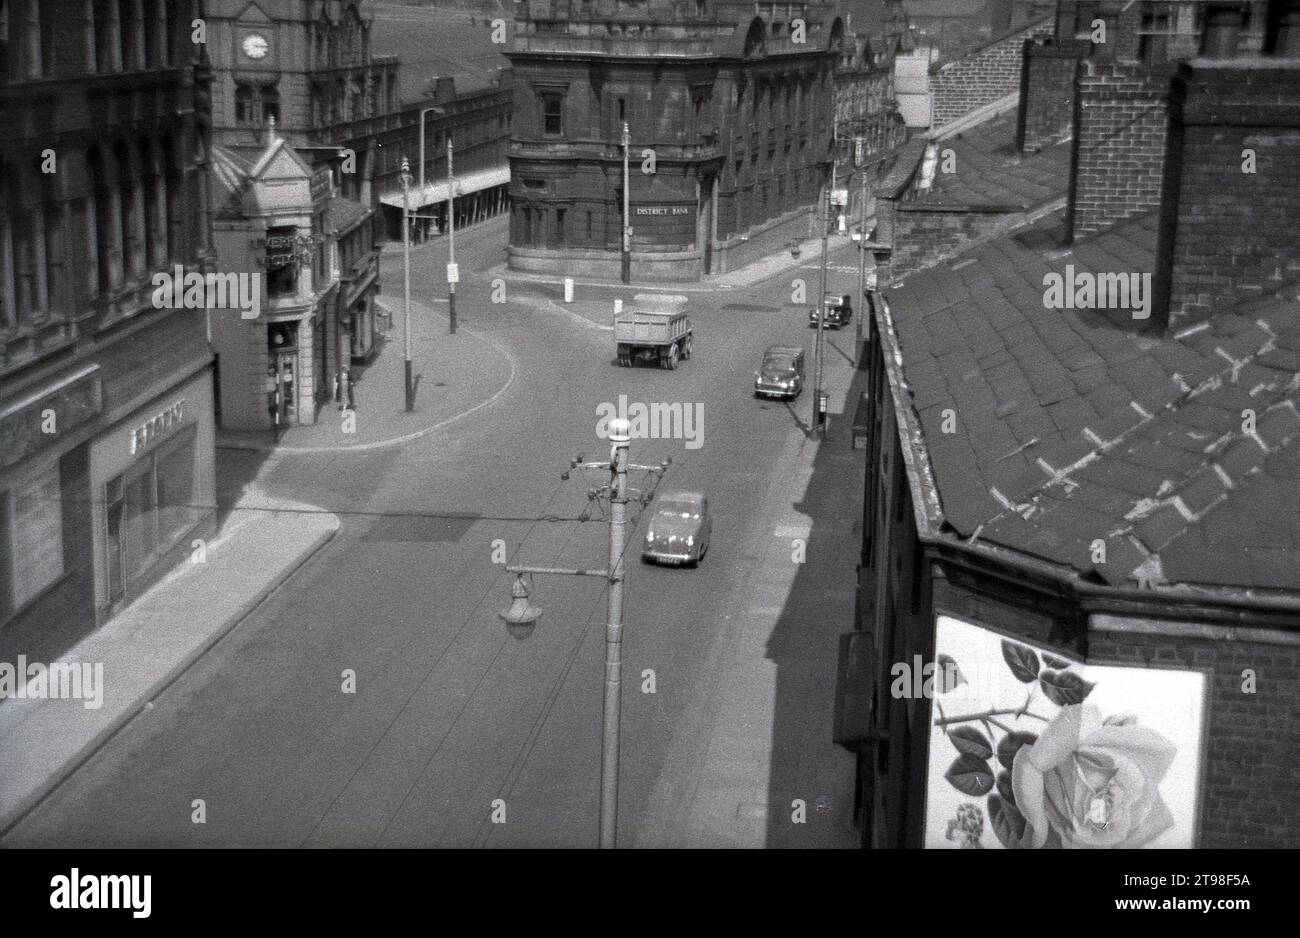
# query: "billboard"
{"points": [[1029, 749]]}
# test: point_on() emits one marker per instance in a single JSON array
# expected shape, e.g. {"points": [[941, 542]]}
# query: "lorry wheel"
{"points": [[686, 348], [672, 357]]}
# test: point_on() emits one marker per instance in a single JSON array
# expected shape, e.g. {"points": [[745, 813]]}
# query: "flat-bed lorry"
{"points": [[653, 327]]}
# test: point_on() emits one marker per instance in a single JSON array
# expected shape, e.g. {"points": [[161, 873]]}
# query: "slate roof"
{"points": [[1072, 426], [231, 171], [989, 171], [343, 213]]}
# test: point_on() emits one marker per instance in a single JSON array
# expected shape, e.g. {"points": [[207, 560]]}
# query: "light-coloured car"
{"points": [[781, 373], [679, 529]]}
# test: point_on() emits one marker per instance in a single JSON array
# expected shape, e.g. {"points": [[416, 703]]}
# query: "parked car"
{"points": [[653, 327], [679, 529], [780, 374], [838, 310]]}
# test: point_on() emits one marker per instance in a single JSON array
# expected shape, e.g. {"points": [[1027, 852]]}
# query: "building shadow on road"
{"points": [[811, 780]]}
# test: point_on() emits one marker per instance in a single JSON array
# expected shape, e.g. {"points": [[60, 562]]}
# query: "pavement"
{"points": [[455, 376], [262, 542], [740, 278]]}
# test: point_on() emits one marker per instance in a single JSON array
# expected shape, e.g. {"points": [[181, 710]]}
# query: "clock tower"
{"points": [[304, 65]]}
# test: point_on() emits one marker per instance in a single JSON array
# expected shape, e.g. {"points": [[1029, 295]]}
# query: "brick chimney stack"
{"points": [[1230, 216]]}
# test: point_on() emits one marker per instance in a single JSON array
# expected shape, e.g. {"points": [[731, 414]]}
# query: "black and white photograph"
{"points": [[653, 425]]}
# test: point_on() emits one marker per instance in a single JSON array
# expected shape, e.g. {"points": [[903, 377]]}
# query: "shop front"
{"points": [[153, 486]]}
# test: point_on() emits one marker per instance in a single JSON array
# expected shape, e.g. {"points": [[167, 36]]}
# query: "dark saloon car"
{"points": [[679, 529], [781, 373], [838, 311]]}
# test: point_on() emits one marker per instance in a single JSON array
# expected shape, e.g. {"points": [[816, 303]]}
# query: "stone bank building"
{"points": [[735, 101]]}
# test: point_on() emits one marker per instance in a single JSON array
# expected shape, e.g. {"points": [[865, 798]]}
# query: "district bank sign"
{"points": [[646, 211]]}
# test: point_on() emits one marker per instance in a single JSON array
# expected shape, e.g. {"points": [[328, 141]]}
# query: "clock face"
{"points": [[255, 46]]}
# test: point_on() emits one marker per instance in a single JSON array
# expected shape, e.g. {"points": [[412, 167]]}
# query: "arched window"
{"points": [[4, 48], [243, 103], [102, 14], [270, 104], [127, 185], [152, 33], [101, 197]]}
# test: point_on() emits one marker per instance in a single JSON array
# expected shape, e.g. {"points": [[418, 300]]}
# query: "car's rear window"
{"points": [[778, 360], [679, 509]]}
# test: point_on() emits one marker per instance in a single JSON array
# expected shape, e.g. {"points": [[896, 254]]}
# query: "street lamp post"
{"points": [[522, 616], [406, 278], [627, 221], [862, 257], [453, 272], [428, 110], [818, 415]]}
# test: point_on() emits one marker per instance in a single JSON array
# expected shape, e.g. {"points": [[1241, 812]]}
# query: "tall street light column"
{"points": [[427, 110], [453, 272], [818, 414], [406, 278], [862, 258], [618, 454], [521, 617], [626, 264]]}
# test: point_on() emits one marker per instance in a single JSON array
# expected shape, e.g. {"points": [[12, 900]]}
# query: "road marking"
{"points": [[793, 530]]}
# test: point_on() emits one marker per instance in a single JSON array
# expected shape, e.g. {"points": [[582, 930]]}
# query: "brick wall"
{"points": [[1046, 94], [1227, 234], [1252, 749], [982, 76], [1121, 124], [924, 236]]}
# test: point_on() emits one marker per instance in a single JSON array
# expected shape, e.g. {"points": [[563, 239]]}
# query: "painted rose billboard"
{"points": [[1044, 752]]}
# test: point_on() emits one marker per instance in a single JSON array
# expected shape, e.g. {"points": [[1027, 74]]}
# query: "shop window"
{"points": [[149, 508], [281, 262], [31, 530], [552, 114]]}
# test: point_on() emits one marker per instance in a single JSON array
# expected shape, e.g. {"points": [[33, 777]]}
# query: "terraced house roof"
{"points": [[1181, 453]]}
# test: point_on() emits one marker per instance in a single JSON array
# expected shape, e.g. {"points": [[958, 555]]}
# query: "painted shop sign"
{"points": [[152, 430], [669, 210], [1032, 750]]}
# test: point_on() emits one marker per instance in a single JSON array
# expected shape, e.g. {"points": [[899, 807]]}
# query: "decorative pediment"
{"points": [[254, 14]]}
